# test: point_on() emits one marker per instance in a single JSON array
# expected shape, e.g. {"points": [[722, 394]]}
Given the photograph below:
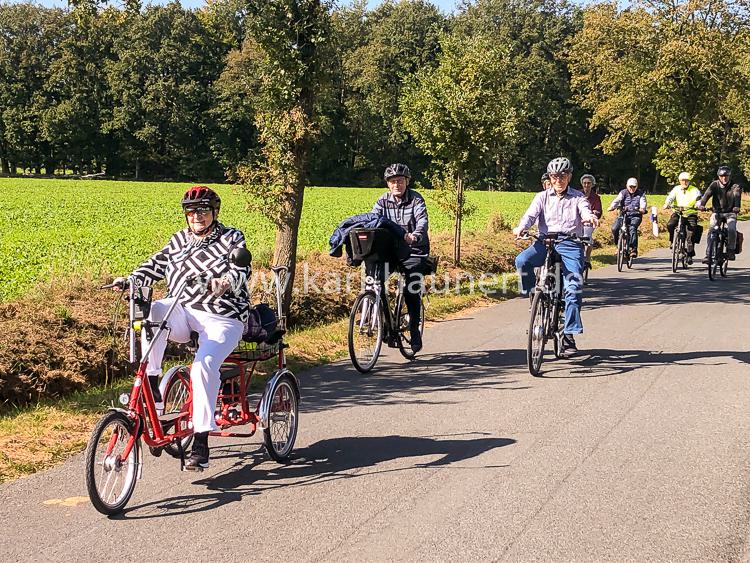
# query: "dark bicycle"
{"points": [[680, 254], [718, 263], [372, 321], [548, 303], [624, 253]]}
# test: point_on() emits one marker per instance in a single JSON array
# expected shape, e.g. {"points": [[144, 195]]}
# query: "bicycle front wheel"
{"points": [[537, 333], [675, 255], [282, 420], [621, 249], [403, 321], [365, 332], [712, 258], [110, 476]]}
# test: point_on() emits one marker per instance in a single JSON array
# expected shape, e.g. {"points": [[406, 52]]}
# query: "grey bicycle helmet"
{"points": [[559, 165], [724, 171], [397, 169], [545, 177]]}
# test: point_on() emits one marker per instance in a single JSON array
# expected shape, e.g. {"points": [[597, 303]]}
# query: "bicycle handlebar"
{"points": [[526, 235]]}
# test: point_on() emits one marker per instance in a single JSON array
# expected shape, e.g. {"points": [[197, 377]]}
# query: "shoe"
{"points": [[705, 260], [198, 460], [634, 254], [416, 342], [689, 260], [569, 348], [587, 265], [730, 256], [154, 381]]}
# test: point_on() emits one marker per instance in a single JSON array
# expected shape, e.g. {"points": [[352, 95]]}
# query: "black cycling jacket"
{"points": [[725, 197]]}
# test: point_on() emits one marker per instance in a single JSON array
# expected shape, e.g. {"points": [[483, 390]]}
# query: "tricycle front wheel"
{"points": [[111, 475]]}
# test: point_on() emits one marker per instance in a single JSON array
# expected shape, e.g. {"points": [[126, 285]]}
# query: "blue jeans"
{"points": [[572, 260], [635, 222]]}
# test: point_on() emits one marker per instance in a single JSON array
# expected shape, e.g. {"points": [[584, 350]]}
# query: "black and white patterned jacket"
{"points": [[186, 255]]}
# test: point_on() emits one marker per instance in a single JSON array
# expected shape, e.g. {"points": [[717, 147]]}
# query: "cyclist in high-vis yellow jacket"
{"points": [[686, 196]]}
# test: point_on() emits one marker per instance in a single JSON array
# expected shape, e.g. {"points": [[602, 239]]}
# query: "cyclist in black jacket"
{"points": [[726, 199], [407, 208]]}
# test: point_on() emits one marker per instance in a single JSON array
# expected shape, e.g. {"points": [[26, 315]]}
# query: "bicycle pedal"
{"points": [[156, 452]]}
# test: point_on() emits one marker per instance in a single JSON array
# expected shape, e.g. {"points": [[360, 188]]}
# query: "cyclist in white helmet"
{"points": [[563, 210]]}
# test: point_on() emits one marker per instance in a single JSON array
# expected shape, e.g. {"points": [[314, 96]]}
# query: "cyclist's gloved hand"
{"points": [[735, 209], [410, 238], [119, 284], [219, 286]]}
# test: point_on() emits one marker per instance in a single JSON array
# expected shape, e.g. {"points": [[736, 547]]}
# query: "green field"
{"points": [[64, 228]]}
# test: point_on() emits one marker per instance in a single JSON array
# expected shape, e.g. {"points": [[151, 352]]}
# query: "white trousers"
{"points": [[217, 337]]}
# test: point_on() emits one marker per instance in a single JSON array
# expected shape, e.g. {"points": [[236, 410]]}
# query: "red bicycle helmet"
{"points": [[201, 196]]}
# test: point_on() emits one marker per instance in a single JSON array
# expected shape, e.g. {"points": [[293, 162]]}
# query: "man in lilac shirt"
{"points": [[562, 210]]}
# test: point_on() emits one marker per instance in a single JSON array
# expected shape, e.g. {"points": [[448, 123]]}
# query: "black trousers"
{"points": [[690, 222], [413, 268]]}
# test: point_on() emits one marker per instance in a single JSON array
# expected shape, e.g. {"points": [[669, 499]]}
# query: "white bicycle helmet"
{"points": [[588, 177], [559, 165]]}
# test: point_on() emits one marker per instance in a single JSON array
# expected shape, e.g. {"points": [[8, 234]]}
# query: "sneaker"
{"points": [[416, 342], [569, 347], [587, 265], [634, 254], [689, 260], [198, 460]]}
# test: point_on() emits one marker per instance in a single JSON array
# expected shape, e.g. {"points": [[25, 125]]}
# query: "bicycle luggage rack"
{"points": [[254, 351]]}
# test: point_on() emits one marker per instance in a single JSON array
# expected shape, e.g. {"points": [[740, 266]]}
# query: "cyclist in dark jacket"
{"points": [[726, 198], [407, 208], [632, 202]]}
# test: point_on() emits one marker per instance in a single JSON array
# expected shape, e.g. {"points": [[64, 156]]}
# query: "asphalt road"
{"points": [[639, 449]]}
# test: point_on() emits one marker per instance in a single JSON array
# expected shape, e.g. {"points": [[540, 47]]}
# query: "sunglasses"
{"points": [[198, 211], [632, 186]]}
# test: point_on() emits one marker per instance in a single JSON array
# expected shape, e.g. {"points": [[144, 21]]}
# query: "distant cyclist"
{"points": [[726, 199], [632, 203], [545, 181], [406, 207], [588, 185], [561, 210], [686, 196]]}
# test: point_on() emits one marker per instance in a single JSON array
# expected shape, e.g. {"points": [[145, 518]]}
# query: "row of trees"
{"points": [[277, 93], [486, 95]]}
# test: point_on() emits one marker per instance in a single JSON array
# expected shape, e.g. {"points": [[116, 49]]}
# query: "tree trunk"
{"points": [[137, 168], [5, 165], [459, 216], [285, 251]]}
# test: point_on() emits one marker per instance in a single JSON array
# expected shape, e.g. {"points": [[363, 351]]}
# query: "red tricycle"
{"points": [[114, 455]]}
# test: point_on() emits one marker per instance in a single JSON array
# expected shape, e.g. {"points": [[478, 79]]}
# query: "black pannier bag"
{"points": [[261, 322], [372, 245]]}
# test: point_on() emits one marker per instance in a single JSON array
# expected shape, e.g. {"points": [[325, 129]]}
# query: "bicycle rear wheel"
{"points": [[110, 478], [402, 327], [177, 400], [283, 419], [558, 321], [365, 332], [537, 333]]}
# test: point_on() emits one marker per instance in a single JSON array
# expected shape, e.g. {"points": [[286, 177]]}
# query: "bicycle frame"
{"points": [[373, 283], [141, 407]]}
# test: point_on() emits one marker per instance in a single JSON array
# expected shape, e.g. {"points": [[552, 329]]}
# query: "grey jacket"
{"points": [[411, 214]]}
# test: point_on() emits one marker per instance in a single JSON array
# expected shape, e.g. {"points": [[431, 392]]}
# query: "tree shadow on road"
{"points": [[605, 362], [323, 461]]}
